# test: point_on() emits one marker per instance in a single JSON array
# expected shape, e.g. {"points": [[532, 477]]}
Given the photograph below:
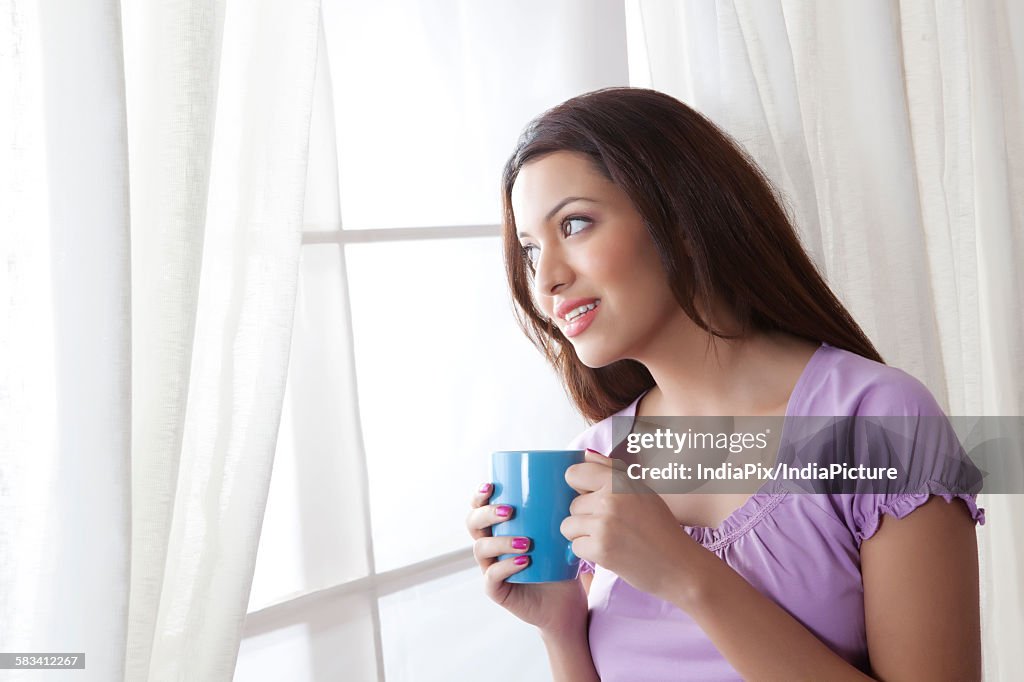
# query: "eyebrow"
{"points": [[557, 208]]}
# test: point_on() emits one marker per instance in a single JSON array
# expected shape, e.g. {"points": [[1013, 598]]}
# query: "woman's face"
{"points": [[589, 245]]}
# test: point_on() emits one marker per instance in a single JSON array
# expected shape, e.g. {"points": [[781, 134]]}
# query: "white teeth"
{"points": [[576, 312]]}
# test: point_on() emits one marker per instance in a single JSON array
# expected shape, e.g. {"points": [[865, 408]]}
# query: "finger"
{"points": [[587, 503], [573, 527], [583, 547], [499, 570], [480, 519], [482, 494], [588, 476], [597, 458], [487, 549]]}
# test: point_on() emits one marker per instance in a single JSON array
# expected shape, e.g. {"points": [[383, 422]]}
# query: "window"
{"points": [[407, 367]]}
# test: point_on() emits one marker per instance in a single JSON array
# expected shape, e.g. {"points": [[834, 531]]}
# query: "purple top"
{"points": [[801, 550]]}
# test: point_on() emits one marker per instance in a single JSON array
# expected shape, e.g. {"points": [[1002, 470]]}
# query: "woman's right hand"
{"points": [[551, 607]]}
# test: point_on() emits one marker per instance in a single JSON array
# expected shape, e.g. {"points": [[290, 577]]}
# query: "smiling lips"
{"points": [[579, 316], [567, 306]]}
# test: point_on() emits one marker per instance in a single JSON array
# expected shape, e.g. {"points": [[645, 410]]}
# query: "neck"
{"points": [[696, 374]]}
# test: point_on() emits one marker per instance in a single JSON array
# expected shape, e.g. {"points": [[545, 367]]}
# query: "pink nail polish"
{"points": [[520, 560], [485, 487], [520, 543], [503, 510]]}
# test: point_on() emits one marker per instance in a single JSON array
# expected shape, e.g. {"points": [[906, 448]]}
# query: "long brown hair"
{"points": [[689, 181]]}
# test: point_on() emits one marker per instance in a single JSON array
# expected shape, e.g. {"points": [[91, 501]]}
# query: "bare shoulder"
{"points": [[921, 596]]}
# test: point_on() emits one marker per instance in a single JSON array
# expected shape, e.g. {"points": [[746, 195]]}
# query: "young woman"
{"points": [[697, 298]]}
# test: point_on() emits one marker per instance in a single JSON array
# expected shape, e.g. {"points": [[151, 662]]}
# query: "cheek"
{"points": [[644, 292], [543, 304], [616, 263], [633, 270]]}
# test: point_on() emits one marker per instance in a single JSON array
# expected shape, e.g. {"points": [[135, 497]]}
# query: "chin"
{"points": [[594, 358]]}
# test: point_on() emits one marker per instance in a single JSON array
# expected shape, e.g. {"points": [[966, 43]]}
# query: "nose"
{"points": [[552, 271]]}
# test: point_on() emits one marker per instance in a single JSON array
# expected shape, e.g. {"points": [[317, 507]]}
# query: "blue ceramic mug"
{"points": [[533, 483]]}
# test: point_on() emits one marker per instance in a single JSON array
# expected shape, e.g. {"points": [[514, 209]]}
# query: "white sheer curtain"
{"points": [[894, 131], [144, 351], [65, 323]]}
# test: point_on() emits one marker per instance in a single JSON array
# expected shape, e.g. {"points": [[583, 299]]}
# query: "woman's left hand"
{"points": [[630, 531]]}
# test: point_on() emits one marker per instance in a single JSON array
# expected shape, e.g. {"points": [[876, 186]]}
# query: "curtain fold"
{"points": [[173, 58], [218, 165], [891, 129]]}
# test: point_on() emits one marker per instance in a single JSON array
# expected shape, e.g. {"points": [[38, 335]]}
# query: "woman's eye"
{"points": [[529, 252], [575, 219]]}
